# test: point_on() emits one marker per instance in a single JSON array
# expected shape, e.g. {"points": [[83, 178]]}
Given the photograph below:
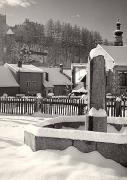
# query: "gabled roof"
{"points": [[68, 72], [80, 74], [47, 84], [118, 53], [24, 68], [56, 77], [9, 32], [6, 78]]}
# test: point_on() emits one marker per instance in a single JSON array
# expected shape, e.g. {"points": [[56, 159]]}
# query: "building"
{"points": [[8, 84], [56, 81], [79, 72], [29, 78], [116, 80], [118, 35], [116, 57]]}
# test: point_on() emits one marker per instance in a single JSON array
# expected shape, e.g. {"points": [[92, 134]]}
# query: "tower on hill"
{"points": [[118, 35], [3, 28]]}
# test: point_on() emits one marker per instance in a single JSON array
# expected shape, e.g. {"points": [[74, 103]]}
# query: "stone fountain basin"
{"points": [[51, 136]]}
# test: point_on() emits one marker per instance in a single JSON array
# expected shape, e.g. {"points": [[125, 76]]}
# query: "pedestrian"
{"points": [[118, 110]]}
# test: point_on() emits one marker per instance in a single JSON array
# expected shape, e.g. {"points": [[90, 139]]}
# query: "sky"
{"points": [[96, 15]]}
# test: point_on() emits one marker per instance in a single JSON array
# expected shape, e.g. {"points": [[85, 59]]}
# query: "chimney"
{"points": [[61, 68], [19, 63], [73, 75]]}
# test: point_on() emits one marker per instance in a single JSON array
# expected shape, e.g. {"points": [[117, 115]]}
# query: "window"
{"points": [[28, 83], [31, 84], [46, 76], [123, 78]]}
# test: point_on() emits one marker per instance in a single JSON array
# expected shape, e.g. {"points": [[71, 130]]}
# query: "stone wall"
{"points": [[41, 143], [116, 152]]}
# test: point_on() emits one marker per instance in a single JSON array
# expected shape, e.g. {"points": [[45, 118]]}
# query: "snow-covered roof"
{"points": [[56, 77], [47, 84], [6, 78], [24, 68], [68, 72], [80, 88], [9, 32], [80, 74], [99, 50], [118, 53]]}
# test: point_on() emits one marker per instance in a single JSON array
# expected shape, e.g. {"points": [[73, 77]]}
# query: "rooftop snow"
{"points": [[25, 68], [56, 77], [10, 32], [109, 61], [80, 74], [117, 53], [6, 78], [97, 113]]}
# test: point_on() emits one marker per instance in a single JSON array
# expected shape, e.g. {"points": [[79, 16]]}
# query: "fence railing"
{"points": [[63, 106], [17, 106], [58, 106], [115, 108]]}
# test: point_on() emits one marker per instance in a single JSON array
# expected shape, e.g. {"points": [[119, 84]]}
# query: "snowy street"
{"points": [[18, 162]]}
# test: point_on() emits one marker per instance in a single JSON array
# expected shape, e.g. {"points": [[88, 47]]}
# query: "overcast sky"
{"points": [[100, 15]]}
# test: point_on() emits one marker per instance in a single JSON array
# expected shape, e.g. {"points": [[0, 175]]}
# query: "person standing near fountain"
{"points": [[118, 110]]}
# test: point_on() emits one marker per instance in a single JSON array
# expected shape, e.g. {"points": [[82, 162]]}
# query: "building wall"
{"points": [[60, 90], [30, 83], [117, 80], [10, 91], [48, 90], [116, 152]]}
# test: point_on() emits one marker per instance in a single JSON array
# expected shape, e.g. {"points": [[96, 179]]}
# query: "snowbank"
{"points": [[61, 119], [18, 162], [97, 113], [117, 120], [40, 114]]}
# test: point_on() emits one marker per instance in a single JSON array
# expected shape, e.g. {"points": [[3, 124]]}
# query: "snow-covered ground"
{"points": [[18, 162]]}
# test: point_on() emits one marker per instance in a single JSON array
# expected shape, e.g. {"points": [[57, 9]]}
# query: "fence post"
{"points": [[80, 108], [38, 102], [97, 94]]}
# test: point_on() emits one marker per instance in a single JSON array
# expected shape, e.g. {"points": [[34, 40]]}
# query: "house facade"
{"points": [[56, 81], [29, 78], [116, 80], [8, 84]]}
